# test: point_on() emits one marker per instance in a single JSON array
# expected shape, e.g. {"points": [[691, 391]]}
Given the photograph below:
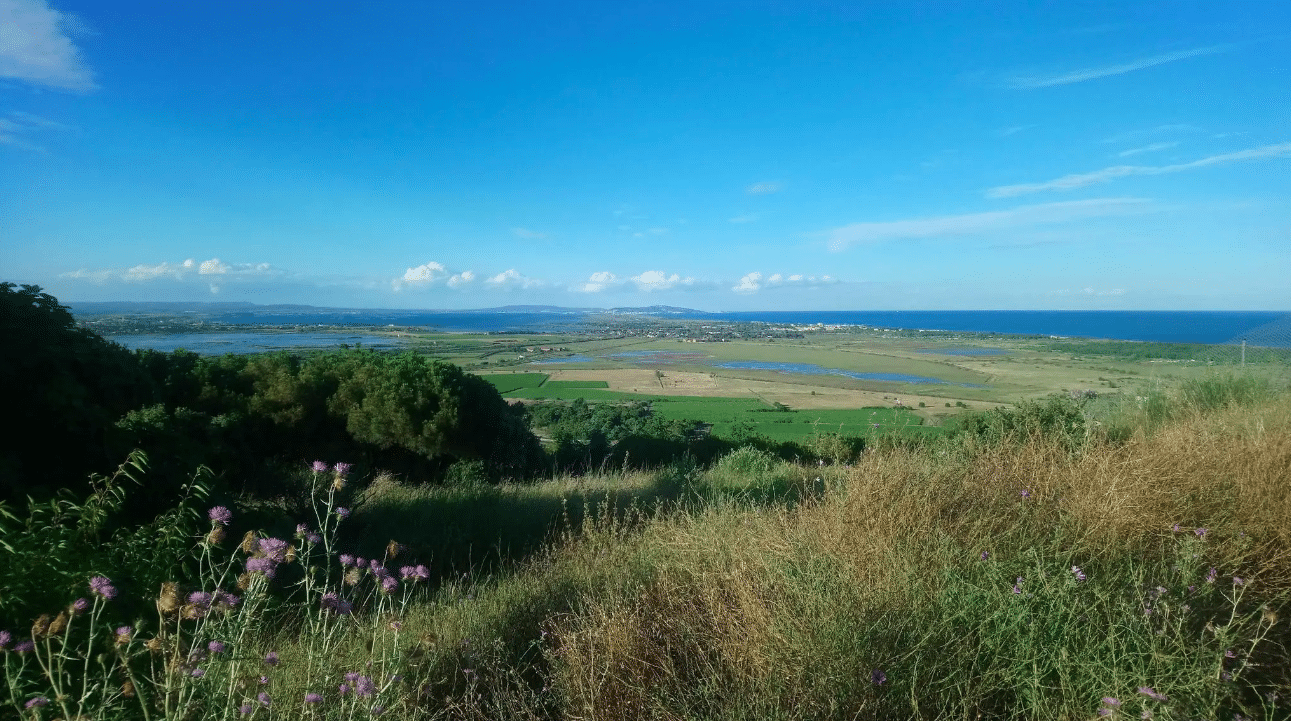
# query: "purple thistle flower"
{"points": [[343, 512], [378, 709], [301, 529], [320, 467], [313, 538], [1017, 590], [271, 658], [1104, 712], [360, 562], [273, 548], [421, 573], [351, 676], [5, 639], [216, 646], [261, 565], [80, 606], [264, 680], [405, 572], [1079, 574], [329, 600], [228, 599], [220, 514], [24, 647], [124, 631], [343, 469], [1026, 493], [364, 687], [38, 701], [198, 673], [1211, 575], [201, 598], [1152, 693], [102, 586], [878, 678], [347, 560], [1239, 581], [245, 708], [313, 697], [986, 555], [343, 688], [1201, 532], [344, 608], [263, 698], [1229, 654], [389, 584], [1111, 701]]}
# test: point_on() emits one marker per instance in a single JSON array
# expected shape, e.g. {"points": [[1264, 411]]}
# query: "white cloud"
{"points": [[461, 280], [35, 47], [213, 267], [152, 272], [763, 188], [528, 234], [653, 280], [1080, 180], [420, 276], [1151, 148], [1078, 76], [512, 279], [972, 223], [750, 283], [746, 218], [598, 282], [755, 281]]}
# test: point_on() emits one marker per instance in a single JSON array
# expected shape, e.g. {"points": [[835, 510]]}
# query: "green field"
{"points": [[725, 414], [575, 384], [508, 382]]}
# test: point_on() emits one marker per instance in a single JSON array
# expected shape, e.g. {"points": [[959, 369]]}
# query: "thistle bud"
{"points": [[168, 600], [154, 644], [127, 689], [352, 577], [58, 625], [249, 542], [40, 626], [392, 549], [216, 536]]}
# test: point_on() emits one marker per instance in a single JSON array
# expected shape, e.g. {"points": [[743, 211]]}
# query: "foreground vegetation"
{"points": [[1035, 566]]}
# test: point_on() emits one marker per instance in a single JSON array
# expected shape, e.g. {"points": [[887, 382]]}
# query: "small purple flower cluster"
{"points": [[415, 573], [1110, 705], [878, 678], [102, 586], [1017, 587], [1079, 574], [334, 603], [220, 515], [362, 686], [1153, 694]]}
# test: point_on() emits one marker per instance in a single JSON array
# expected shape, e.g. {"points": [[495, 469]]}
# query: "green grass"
{"points": [[508, 382], [563, 385]]}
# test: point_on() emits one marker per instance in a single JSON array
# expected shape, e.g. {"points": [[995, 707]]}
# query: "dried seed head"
{"points": [[392, 549], [155, 644], [291, 554], [338, 484], [244, 581], [352, 577], [216, 535], [127, 689], [249, 542], [40, 626], [59, 624], [168, 599], [1270, 616]]}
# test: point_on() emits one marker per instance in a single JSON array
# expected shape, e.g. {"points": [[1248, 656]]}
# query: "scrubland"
{"points": [[1130, 560]]}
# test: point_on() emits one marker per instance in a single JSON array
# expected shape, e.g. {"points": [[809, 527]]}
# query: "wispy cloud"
{"points": [[35, 47], [512, 279], [755, 281], [1152, 148], [1034, 82], [185, 270], [763, 188], [17, 128], [1080, 180], [974, 223], [653, 280]]}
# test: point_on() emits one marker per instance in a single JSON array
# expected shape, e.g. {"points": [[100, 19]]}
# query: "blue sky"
{"points": [[714, 155]]}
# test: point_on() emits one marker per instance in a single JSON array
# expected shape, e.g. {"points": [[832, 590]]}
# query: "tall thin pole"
{"points": [[1243, 352]]}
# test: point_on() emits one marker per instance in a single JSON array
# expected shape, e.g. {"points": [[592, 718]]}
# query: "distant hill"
{"points": [[201, 308]]}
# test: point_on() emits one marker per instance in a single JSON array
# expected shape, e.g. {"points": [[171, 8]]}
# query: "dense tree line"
{"points": [[81, 403]]}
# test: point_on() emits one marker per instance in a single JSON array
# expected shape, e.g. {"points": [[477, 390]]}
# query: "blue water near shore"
{"points": [[221, 343]]}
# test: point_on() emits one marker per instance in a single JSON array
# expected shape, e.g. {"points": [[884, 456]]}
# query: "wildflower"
{"points": [[986, 555], [24, 647], [1229, 654], [228, 599], [80, 606], [352, 577], [1238, 581], [123, 634], [38, 701], [1175, 528], [263, 698], [1025, 493], [329, 601], [200, 598], [102, 586], [313, 697], [395, 626], [389, 584], [1017, 590], [59, 624], [1079, 574], [313, 538], [1147, 714], [220, 515], [5, 639], [878, 678], [301, 529], [352, 676], [343, 469], [364, 687], [320, 467], [40, 626], [343, 512], [216, 646], [1152, 693], [216, 536], [347, 560], [1201, 532], [1104, 712], [249, 542], [261, 565], [1211, 575], [274, 549], [264, 680], [271, 658], [1111, 701], [343, 688], [378, 709], [198, 673], [421, 573], [245, 708], [127, 689]]}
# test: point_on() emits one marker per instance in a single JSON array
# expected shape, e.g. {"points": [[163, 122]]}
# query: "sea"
{"points": [[1257, 328]]}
